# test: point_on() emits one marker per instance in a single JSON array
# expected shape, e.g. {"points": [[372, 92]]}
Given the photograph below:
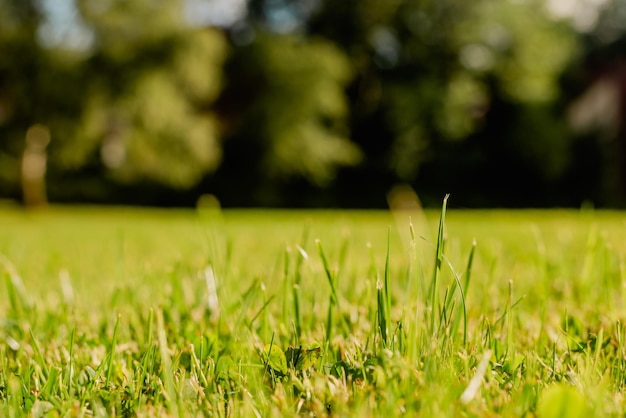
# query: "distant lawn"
{"points": [[125, 311]]}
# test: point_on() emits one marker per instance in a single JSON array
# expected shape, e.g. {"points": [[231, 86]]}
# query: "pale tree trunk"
{"points": [[34, 161]]}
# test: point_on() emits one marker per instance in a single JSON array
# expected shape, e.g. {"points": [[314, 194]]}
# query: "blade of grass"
{"points": [[329, 274], [457, 283], [296, 290], [112, 351], [212, 301], [70, 368], [386, 277], [383, 299], [509, 323], [285, 287], [42, 362], [19, 301], [437, 268], [343, 252], [382, 318], [333, 292], [466, 276], [266, 360], [148, 360], [166, 365], [260, 311], [245, 300], [470, 263], [297, 279], [416, 287], [51, 387]]}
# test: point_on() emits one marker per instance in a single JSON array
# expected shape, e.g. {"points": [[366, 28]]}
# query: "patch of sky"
{"points": [[285, 16], [583, 14], [220, 13], [386, 46], [63, 27]]}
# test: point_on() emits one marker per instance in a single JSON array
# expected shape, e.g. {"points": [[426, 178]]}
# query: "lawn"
{"points": [[147, 312]]}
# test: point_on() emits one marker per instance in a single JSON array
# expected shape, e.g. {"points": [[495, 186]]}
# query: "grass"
{"points": [[248, 313]]}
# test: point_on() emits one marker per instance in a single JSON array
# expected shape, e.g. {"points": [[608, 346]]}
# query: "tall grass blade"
{"points": [[112, 351], [19, 301], [42, 361], [166, 364], [266, 358], [51, 387], [382, 318], [466, 276], [343, 253], [285, 289], [457, 284], [148, 360], [70, 368], [329, 274], [261, 310], [386, 277], [463, 291], [297, 279], [296, 290], [383, 298], [333, 292], [468, 270], [242, 306], [212, 300], [437, 268], [150, 327]]}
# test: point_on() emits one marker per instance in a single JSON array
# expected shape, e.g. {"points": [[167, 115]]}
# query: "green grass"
{"points": [[261, 313]]}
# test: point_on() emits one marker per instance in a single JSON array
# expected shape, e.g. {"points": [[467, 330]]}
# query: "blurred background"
{"points": [[313, 103]]}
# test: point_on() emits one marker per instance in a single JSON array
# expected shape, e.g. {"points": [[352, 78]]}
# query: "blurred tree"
{"points": [[596, 88], [312, 99], [132, 100], [434, 78], [34, 85], [152, 85], [287, 115]]}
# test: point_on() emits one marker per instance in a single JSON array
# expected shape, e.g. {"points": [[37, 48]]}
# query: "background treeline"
{"points": [[317, 103]]}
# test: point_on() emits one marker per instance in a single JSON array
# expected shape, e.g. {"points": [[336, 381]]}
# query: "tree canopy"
{"points": [[318, 102]]}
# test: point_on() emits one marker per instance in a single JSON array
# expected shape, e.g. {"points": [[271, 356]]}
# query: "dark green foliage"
{"points": [[325, 103]]}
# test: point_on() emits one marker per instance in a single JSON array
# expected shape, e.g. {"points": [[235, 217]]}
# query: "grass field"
{"points": [[132, 312]]}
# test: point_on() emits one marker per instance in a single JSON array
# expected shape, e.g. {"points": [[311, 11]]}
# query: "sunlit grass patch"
{"points": [[262, 313]]}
